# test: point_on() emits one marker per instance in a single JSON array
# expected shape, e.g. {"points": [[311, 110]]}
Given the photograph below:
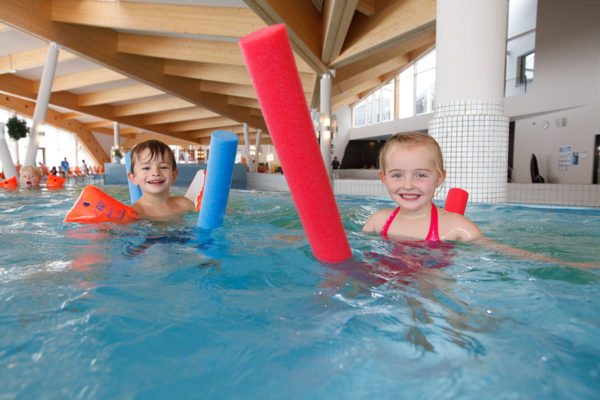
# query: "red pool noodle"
{"points": [[456, 201], [270, 62]]}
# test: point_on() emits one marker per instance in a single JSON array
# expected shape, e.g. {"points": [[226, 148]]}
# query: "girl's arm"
{"points": [[492, 244]]}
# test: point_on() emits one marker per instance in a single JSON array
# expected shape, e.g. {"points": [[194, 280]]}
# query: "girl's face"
{"points": [[29, 180], [410, 176], [153, 176]]}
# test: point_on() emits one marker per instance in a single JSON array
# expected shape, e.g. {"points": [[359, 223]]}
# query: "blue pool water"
{"points": [[166, 312]]}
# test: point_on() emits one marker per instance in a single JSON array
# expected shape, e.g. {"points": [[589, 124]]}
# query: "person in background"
{"points": [[154, 169], [64, 164], [335, 166], [53, 171], [84, 168]]}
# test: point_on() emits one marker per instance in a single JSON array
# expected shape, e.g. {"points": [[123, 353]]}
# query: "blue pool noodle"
{"points": [[134, 190], [219, 172]]}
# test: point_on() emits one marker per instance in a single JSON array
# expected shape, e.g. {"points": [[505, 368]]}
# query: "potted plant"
{"points": [[116, 155], [17, 128]]}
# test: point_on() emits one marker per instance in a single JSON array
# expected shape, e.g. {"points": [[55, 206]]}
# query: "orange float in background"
{"points": [[94, 206], [10, 184], [55, 182]]}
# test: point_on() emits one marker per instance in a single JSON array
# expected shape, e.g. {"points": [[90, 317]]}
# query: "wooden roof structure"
{"points": [[172, 69]]}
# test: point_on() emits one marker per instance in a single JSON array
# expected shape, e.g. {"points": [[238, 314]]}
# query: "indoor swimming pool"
{"points": [[165, 311]]}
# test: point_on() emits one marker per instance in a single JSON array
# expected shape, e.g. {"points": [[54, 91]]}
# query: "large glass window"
{"points": [[375, 108], [416, 91], [416, 95]]}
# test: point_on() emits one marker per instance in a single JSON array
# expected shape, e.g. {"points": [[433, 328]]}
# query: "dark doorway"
{"points": [[511, 149], [360, 154], [596, 179]]}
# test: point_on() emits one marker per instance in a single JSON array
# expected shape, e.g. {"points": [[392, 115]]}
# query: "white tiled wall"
{"points": [[554, 194], [523, 193], [473, 135]]}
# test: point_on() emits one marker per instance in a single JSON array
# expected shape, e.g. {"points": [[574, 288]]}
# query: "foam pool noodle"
{"points": [[219, 172], [270, 62], [456, 201], [134, 190]]}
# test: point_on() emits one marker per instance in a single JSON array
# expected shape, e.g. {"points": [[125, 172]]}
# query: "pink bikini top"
{"points": [[432, 235]]}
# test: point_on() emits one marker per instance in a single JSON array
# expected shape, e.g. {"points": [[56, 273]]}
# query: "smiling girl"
{"points": [[412, 168]]}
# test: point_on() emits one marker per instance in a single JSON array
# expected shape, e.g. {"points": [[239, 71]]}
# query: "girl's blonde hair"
{"points": [[414, 138], [32, 169]]}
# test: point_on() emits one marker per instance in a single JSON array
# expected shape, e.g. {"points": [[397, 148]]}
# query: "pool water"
{"points": [[164, 311]]}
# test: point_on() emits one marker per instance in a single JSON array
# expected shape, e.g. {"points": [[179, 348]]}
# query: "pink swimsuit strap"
{"points": [[432, 235]]}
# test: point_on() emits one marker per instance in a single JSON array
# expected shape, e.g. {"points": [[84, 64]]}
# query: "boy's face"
{"points": [[29, 180], [152, 175]]}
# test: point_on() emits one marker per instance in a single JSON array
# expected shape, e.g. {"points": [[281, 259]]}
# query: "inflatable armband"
{"points": [[10, 184], [55, 182], [93, 206]]}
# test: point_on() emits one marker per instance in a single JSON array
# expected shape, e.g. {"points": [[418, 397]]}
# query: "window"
{"points": [[526, 63], [416, 95], [375, 108], [416, 92]]}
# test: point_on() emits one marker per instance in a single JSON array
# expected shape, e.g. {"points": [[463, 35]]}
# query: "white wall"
{"points": [[566, 85]]}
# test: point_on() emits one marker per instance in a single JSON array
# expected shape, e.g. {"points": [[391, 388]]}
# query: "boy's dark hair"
{"points": [[156, 148]]}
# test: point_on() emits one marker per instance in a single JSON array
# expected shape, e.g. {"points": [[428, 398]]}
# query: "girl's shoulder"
{"points": [[457, 227], [376, 222]]}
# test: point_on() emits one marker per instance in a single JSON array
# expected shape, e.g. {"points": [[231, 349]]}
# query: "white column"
{"points": [[257, 145], [469, 121], [8, 165], [249, 162], [41, 106], [325, 121], [116, 138]]}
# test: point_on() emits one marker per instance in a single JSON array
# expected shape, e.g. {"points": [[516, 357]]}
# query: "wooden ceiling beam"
{"points": [[151, 106], [185, 114], [396, 63], [206, 123], [395, 22], [33, 16], [418, 41], [223, 73], [337, 16], [243, 102], [98, 124], [366, 7], [349, 96], [303, 23], [56, 119], [83, 79], [184, 19], [132, 92], [229, 89], [176, 48], [20, 87], [29, 59]]}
